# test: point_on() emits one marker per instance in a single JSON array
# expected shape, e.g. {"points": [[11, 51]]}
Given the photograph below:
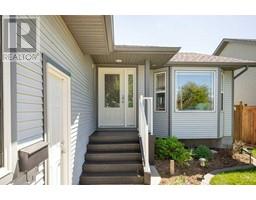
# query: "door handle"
{"points": [[62, 146], [123, 98]]}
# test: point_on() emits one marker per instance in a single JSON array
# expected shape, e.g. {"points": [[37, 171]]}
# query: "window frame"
{"points": [[213, 72], [222, 91], [161, 91]]}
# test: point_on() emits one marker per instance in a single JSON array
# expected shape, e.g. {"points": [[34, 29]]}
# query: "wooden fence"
{"points": [[245, 123]]}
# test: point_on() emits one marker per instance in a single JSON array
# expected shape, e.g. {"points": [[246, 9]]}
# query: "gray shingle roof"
{"points": [[198, 58]]}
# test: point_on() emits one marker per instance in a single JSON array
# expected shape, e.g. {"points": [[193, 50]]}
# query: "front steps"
{"points": [[113, 157]]}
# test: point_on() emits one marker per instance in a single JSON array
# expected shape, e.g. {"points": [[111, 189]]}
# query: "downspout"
{"points": [[240, 73]]}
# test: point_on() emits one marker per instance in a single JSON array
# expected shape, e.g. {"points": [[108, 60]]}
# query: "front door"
{"points": [[117, 97]]}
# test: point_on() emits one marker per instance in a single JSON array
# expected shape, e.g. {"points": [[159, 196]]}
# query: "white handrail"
{"points": [[145, 127]]}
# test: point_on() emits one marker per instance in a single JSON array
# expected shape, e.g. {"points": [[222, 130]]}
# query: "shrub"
{"points": [[172, 148], [203, 151]]}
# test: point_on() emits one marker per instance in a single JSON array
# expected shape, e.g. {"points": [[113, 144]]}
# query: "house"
{"points": [[86, 111], [241, 49]]}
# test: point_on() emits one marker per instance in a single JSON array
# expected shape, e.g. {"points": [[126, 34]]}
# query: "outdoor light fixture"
{"points": [[119, 60], [202, 162]]}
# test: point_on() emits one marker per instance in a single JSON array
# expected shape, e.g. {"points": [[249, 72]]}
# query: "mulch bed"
{"points": [[193, 174]]}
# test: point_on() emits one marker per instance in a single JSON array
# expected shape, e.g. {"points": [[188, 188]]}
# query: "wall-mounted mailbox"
{"points": [[32, 156]]}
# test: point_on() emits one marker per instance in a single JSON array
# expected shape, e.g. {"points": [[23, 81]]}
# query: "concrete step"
{"points": [[125, 147], [99, 156], [114, 137], [114, 166], [111, 178]]}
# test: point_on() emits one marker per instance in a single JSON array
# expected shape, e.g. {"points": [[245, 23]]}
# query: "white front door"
{"points": [[117, 97], [57, 126]]}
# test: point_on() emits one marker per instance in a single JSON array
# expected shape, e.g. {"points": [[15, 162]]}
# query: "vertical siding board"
{"points": [[58, 43], [227, 103]]}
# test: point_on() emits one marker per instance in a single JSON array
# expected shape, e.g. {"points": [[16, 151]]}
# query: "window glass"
{"points": [[1, 118], [112, 90], [160, 81], [160, 91], [222, 91], [194, 91], [160, 101], [130, 91]]}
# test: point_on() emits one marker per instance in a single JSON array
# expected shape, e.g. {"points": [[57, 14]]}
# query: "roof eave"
{"points": [[146, 49], [109, 23], [216, 64], [225, 41], [220, 47]]}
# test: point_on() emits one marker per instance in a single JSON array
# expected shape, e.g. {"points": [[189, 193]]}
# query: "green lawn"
{"points": [[254, 153], [239, 177]]}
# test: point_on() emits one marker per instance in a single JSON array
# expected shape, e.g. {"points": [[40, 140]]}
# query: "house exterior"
{"points": [[241, 49], [84, 83]]}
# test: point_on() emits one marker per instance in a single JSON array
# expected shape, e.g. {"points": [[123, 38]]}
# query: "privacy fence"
{"points": [[245, 123]]}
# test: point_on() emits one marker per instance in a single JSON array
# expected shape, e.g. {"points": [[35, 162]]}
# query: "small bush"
{"points": [[172, 148], [202, 151]]}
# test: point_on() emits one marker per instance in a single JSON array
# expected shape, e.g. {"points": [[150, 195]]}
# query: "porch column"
{"points": [[147, 78]]}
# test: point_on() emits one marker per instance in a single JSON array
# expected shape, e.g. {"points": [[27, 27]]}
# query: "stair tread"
{"points": [[113, 162], [119, 143], [113, 151], [111, 174], [117, 133]]}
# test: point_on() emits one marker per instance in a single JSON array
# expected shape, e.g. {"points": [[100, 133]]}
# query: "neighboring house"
{"points": [[246, 83], [85, 97]]}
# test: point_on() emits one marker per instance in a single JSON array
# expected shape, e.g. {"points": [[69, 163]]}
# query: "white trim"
{"points": [[66, 122], [213, 91], [10, 148], [161, 91]]}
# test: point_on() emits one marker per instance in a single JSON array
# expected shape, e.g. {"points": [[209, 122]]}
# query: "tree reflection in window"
{"points": [[130, 91], [194, 91], [112, 90]]}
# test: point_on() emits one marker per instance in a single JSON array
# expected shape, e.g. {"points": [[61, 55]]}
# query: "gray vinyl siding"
{"points": [[57, 43], [141, 80], [194, 125], [160, 119], [227, 103], [246, 82]]}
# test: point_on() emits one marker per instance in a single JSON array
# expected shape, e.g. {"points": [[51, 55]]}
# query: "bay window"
{"points": [[160, 91], [194, 90]]}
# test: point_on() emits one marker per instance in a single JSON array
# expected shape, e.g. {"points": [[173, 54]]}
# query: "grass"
{"points": [[254, 153], [239, 177]]}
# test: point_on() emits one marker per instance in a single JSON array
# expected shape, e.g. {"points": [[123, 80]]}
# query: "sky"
{"points": [[200, 34]]}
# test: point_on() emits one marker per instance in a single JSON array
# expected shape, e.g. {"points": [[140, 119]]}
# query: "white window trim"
{"points": [[213, 86], [9, 146], [161, 91]]}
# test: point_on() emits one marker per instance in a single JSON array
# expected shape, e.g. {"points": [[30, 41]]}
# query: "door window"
{"points": [[112, 90], [130, 91]]}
